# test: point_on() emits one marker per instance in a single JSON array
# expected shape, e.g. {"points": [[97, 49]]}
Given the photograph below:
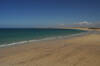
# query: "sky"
{"points": [[40, 13]]}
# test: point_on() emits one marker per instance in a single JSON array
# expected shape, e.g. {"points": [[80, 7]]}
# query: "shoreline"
{"points": [[82, 50], [44, 39]]}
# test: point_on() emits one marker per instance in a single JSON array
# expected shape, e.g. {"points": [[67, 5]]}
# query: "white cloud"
{"points": [[85, 23]]}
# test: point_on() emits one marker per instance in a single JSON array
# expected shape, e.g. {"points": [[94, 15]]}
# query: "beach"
{"points": [[75, 51]]}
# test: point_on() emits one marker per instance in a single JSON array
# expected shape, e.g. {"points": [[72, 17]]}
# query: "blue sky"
{"points": [[32, 13]]}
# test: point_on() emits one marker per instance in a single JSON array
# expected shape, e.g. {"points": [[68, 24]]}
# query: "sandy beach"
{"points": [[77, 51]]}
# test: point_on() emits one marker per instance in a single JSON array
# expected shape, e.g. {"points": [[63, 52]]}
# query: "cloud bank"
{"points": [[82, 24]]}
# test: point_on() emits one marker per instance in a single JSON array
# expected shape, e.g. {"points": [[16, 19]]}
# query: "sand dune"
{"points": [[76, 51]]}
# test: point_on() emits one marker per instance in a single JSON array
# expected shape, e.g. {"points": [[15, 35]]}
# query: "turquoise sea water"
{"points": [[8, 36]]}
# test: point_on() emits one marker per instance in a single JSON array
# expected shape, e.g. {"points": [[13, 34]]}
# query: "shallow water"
{"points": [[8, 36]]}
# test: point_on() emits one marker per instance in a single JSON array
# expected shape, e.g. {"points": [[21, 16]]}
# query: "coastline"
{"points": [[81, 50], [45, 39]]}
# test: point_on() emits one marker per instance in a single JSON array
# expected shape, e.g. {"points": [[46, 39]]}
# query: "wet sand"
{"points": [[77, 51]]}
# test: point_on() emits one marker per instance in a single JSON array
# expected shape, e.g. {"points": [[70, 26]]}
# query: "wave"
{"points": [[44, 39]]}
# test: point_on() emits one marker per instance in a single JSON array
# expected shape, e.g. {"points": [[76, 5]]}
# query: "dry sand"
{"points": [[84, 28], [76, 51]]}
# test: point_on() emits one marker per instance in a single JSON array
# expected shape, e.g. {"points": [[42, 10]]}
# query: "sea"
{"points": [[12, 36]]}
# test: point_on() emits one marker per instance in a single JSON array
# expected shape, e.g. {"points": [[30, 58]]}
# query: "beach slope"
{"points": [[76, 51]]}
